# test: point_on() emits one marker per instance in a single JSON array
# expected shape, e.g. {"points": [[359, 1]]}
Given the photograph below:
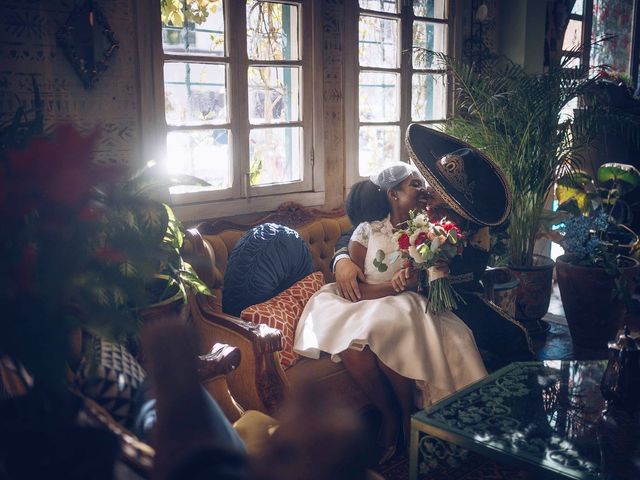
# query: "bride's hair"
{"points": [[366, 203]]}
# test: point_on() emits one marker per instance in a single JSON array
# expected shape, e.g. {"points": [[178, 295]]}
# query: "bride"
{"points": [[387, 340]]}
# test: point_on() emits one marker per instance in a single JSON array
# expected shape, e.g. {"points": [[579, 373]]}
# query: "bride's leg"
{"points": [[404, 389], [363, 366]]}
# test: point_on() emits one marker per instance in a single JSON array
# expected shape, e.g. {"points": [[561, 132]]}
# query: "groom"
{"points": [[469, 189]]}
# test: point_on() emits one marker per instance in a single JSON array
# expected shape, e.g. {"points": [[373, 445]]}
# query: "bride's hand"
{"points": [[405, 279]]}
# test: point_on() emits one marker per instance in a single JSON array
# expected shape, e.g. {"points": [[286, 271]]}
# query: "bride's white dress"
{"points": [[437, 350]]}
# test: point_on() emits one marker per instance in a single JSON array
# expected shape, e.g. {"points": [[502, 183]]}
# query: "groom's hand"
{"points": [[347, 276]]}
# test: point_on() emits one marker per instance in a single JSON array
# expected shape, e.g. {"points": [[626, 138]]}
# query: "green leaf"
{"points": [[577, 188], [626, 176], [435, 243], [393, 256], [380, 255], [127, 269]]}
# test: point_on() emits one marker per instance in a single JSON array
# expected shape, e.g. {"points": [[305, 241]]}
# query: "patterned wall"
{"points": [[28, 48]]}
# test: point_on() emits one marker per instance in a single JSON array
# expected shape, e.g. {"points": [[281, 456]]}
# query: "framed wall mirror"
{"points": [[87, 41]]}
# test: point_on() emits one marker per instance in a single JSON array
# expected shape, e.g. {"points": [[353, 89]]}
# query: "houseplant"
{"points": [[81, 243], [595, 280], [518, 119]]}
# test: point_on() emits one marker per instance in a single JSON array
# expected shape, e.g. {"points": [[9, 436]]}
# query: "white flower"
{"points": [[421, 220], [415, 255]]}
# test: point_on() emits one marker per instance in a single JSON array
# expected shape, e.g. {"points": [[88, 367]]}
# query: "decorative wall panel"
{"points": [[28, 49], [332, 71]]}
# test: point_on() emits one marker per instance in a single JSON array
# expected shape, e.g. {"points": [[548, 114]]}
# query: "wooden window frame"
{"points": [[406, 70], [240, 198]]}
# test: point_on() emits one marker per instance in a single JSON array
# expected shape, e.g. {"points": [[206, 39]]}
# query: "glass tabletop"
{"points": [[542, 414]]}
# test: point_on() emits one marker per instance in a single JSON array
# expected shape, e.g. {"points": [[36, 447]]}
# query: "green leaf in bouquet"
{"points": [[428, 255], [453, 236], [435, 244], [393, 256]]}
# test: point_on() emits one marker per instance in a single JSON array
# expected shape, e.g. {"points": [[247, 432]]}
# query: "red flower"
{"points": [[403, 241], [59, 169], [421, 238], [449, 226]]}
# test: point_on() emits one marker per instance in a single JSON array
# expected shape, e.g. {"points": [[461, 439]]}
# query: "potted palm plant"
{"points": [[518, 119], [594, 278]]}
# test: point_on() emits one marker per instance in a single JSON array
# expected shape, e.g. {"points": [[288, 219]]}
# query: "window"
{"points": [[238, 99], [395, 82]]}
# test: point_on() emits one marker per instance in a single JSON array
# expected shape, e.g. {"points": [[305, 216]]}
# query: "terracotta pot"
{"points": [[534, 292], [594, 317]]}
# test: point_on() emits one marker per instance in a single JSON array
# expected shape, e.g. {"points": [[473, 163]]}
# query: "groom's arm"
{"points": [[347, 273], [341, 248]]}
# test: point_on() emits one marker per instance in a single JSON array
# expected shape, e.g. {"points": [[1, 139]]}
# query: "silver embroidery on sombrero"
{"points": [[451, 201], [451, 167]]}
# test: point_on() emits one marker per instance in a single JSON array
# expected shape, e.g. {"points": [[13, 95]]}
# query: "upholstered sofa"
{"points": [[260, 382]]}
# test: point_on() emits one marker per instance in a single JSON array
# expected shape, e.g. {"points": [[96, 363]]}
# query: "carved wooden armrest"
{"points": [[259, 382], [221, 360]]}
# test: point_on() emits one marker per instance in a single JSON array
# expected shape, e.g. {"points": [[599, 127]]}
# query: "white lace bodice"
{"points": [[377, 235]]}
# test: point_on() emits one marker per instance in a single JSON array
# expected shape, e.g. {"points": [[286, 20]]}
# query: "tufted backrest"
{"points": [[319, 229]]}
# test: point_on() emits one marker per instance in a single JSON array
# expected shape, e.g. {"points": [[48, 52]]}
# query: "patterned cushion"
{"points": [[283, 312], [266, 260], [110, 375]]}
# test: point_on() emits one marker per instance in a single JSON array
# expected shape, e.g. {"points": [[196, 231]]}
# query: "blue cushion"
{"points": [[267, 259]]}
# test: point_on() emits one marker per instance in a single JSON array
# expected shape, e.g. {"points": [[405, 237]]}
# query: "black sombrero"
{"points": [[471, 184]]}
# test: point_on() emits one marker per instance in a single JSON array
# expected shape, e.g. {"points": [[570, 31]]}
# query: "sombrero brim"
{"points": [[483, 196]]}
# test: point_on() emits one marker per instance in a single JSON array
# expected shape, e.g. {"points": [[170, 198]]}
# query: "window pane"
{"points": [[378, 97], [378, 145], [578, 7], [430, 8], [274, 94], [572, 35], [276, 155], [380, 5], [378, 42], [202, 32], [203, 153], [612, 18], [428, 36], [272, 31], [195, 93], [571, 61], [428, 97]]}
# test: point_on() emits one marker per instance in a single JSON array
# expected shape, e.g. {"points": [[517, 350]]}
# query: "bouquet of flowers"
{"points": [[427, 246]]}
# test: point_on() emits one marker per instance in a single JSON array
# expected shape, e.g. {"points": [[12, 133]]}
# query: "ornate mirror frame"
{"points": [[87, 41]]}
